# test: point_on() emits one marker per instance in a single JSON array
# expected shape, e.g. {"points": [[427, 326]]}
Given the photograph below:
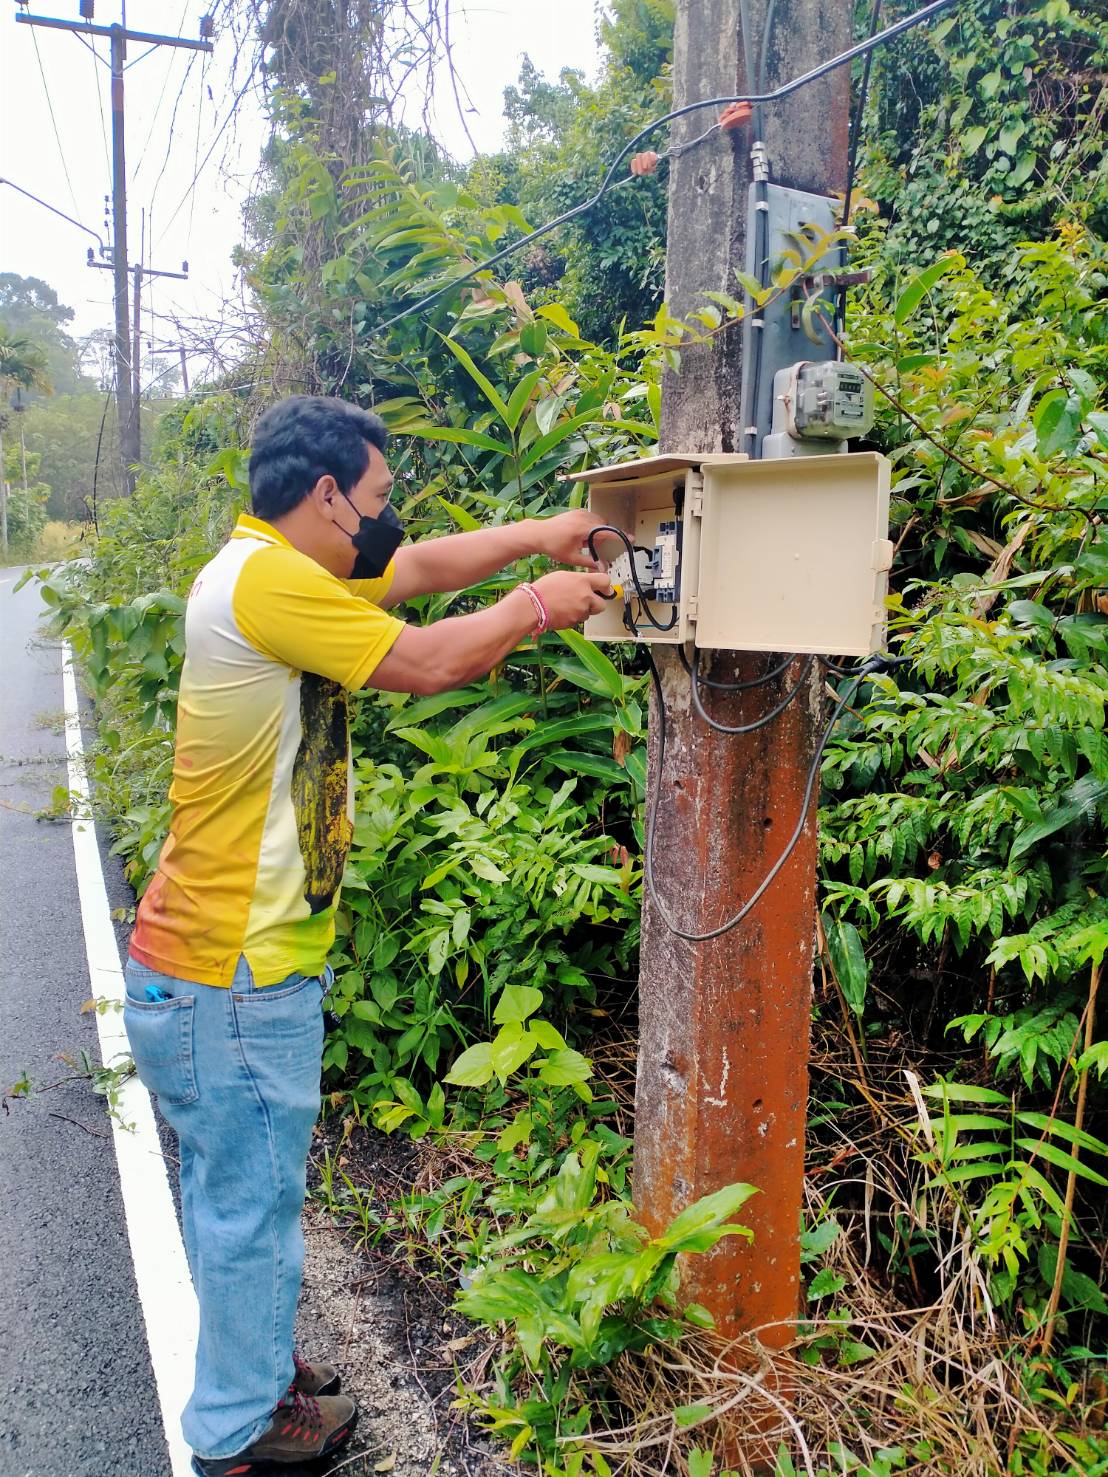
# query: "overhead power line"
{"points": [[55, 211], [126, 351], [211, 150], [610, 182], [158, 112], [172, 131], [54, 123], [96, 64], [196, 147]]}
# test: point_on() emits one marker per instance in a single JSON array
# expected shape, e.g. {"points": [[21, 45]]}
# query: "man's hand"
{"points": [[564, 537], [570, 597]]}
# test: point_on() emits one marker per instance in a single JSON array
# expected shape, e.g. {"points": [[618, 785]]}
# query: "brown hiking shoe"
{"points": [[315, 1379], [301, 1430]]}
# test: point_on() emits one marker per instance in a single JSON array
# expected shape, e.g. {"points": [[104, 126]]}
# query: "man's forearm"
{"points": [[472, 645], [458, 560], [452, 652]]}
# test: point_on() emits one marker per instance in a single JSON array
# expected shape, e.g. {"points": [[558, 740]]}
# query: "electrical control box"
{"points": [[796, 555], [743, 555], [657, 502]]}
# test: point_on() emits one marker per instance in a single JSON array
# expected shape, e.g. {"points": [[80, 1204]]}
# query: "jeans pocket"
{"points": [[266, 994], [160, 1033]]}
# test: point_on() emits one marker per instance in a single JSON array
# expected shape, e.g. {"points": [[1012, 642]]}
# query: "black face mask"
{"points": [[376, 541]]}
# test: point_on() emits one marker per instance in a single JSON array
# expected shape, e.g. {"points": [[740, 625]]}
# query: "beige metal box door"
{"points": [[794, 555]]}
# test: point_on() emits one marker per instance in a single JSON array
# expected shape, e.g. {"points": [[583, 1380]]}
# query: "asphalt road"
{"points": [[77, 1396]]}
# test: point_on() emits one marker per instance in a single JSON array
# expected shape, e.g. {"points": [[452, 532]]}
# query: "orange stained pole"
{"points": [[724, 1025]]}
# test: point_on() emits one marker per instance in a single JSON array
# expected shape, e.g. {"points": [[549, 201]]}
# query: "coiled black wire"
{"points": [[874, 664], [643, 597], [765, 719]]}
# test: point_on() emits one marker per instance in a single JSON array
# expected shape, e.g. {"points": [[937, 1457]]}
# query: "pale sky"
{"points": [[489, 39]]}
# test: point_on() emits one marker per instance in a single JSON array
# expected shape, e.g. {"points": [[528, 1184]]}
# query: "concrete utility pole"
{"points": [[3, 495], [126, 394], [724, 1029], [126, 405]]}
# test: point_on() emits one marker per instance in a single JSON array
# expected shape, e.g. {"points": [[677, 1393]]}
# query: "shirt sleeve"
{"points": [[292, 610]]}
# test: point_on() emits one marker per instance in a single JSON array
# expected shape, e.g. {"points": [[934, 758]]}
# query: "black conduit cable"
{"points": [[885, 659], [764, 721], [862, 48], [873, 665], [761, 681], [835, 668], [760, 167]]}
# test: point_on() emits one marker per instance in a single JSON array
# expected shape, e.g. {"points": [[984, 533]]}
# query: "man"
{"points": [[228, 960]]}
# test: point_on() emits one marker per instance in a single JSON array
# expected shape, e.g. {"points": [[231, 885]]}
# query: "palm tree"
{"points": [[21, 362]]}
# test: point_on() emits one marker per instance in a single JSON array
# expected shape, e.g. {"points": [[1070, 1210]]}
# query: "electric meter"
{"points": [[814, 403]]}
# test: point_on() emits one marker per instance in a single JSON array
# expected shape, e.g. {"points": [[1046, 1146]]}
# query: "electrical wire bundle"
{"points": [[879, 662]]}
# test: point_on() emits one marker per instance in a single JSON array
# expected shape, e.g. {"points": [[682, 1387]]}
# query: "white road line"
{"points": [[161, 1271]]}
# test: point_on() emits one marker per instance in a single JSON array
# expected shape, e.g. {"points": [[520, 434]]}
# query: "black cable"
{"points": [[196, 149], [852, 160], [639, 591], [761, 681], [835, 668], [54, 122], [856, 122], [885, 660], [609, 183], [754, 681], [764, 721], [767, 31], [96, 64], [751, 76], [172, 128], [874, 664], [761, 237], [211, 150], [96, 464]]}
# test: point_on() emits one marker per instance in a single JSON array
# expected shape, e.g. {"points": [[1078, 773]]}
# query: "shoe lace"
{"points": [[303, 1409]]}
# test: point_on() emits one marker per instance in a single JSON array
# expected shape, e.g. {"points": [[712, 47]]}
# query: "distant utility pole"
{"points": [[3, 494], [118, 36], [724, 1025]]}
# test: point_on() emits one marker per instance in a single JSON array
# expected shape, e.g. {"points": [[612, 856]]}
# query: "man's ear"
{"points": [[325, 494]]}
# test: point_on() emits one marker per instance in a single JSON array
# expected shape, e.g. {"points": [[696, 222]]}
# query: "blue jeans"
{"points": [[236, 1073]]}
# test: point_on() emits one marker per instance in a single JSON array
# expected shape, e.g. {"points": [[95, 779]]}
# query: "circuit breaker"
{"points": [[742, 555]]}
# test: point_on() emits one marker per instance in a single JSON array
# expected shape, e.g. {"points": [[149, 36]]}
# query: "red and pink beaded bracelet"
{"points": [[541, 612]]}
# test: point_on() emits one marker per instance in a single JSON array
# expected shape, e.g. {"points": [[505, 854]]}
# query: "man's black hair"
{"points": [[301, 439]]}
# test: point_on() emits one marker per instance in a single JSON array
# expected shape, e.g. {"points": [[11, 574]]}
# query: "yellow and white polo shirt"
{"points": [[262, 803]]}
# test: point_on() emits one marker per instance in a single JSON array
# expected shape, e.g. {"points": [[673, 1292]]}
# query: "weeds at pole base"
{"points": [[880, 1380]]}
